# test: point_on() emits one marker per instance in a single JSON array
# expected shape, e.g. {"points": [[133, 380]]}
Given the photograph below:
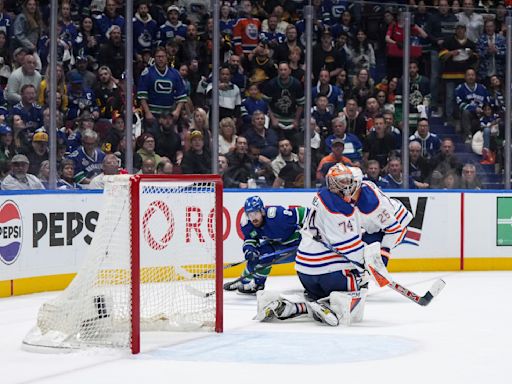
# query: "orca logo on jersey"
{"points": [[163, 86], [10, 232], [152, 223], [414, 228]]}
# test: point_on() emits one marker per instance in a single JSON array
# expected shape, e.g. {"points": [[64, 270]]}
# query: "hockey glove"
{"points": [[385, 255], [251, 254]]}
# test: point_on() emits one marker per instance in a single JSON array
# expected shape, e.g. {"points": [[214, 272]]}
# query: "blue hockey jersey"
{"points": [[161, 90], [86, 166], [144, 33], [281, 227], [471, 99]]}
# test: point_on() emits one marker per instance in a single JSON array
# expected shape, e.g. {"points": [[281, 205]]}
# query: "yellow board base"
{"points": [[59, 282]]}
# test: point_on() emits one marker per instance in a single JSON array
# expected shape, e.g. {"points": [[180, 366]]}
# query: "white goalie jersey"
{"points": [[379, 212], [331, 220]]}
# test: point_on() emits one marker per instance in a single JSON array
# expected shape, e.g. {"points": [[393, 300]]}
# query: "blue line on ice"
{"points": [[286, 348]]}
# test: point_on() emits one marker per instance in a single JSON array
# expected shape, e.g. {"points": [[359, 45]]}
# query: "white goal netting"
{"points": [[176, 232]]}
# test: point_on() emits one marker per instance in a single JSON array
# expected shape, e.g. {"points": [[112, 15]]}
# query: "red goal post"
{"points": [[135, 192]]}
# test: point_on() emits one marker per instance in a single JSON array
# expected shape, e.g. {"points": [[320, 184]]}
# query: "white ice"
{"points": [[464, 336]]}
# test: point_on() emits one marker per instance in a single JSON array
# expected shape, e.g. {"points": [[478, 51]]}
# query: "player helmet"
{"points": [[253, 204], [343, 180]]}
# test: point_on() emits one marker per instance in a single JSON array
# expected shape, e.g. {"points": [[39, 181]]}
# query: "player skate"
{"points": [[250, 287]]}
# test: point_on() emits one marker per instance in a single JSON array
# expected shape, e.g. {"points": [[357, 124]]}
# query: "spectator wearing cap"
{"points": [[87, 158], [108, 94], [27, 26], [43, 98], [18, 178], [353, 146], [144, 28], [81, 99], [196, 160], [160, 88], [26, 74], [7, 145], [173, 28], [37, 152], [336, 156], [325, 56], [168, 141], [112, 52], [108, 19], [89, 79], [145, 150]]}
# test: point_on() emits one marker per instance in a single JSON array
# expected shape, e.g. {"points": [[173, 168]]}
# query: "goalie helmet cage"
{"points": [[143, 270]]}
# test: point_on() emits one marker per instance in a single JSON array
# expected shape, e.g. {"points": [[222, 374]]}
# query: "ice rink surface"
{"points": [[464, 336]]}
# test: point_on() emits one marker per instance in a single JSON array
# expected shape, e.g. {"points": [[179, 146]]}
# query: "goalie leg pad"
{"points": [[357, 305], [272, 305], [340, 303]]}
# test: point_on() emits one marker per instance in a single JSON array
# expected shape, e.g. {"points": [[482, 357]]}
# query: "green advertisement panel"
{"points": [[504, 221]]}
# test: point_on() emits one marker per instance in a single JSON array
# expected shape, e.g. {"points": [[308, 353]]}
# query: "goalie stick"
{"points": [[382, 277], [378, 270]]}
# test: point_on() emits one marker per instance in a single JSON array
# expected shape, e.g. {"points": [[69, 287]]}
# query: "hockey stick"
{"points": [[208, 271], [263, 267], [382, 277], [197, 292]]}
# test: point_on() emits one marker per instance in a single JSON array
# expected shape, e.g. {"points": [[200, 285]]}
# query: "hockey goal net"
{"points": [[153, 264]]}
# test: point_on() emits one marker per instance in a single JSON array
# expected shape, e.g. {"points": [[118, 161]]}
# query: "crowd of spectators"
{"points": [[458, 50]]}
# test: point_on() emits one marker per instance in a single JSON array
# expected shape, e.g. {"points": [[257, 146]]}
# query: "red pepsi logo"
{"points": [[10, 232]]}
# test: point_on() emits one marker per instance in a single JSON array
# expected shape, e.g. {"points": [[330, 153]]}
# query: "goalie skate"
{"points": [[322, 313]]}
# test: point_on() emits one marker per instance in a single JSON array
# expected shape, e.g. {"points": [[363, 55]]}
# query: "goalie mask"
{"points": [[344, 180]]}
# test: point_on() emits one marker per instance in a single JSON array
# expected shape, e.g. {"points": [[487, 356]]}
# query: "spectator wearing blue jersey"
{"points": [[394, 176], [173, 27], [252, 103], [160, 88], [88, 158], [332, 92], [81, 99], [470, 97], [144, 28], [107, 19], [430, 142], [28, 109], [373, 174], [353, 146]]}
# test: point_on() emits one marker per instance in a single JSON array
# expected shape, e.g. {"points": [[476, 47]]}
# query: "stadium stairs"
{"points": [[487, 173]]}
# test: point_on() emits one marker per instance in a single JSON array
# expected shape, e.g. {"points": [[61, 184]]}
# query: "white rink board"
{"points": [[480, 226], [56, 228]]}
